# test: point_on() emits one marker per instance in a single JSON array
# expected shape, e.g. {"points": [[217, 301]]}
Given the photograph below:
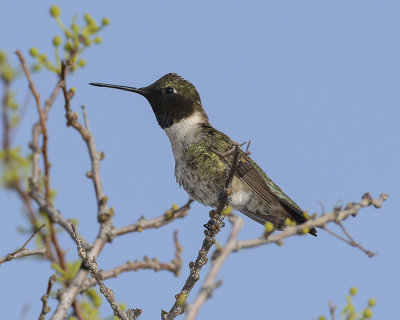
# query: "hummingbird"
{"points": [[203, 158]]}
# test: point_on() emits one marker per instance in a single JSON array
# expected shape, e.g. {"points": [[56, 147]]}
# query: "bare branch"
{"points": [[336, 215], [174, 266], [22, 252], [92, 265], [157, 222], [45, 298], [55, 215], [349, 240], [104, 215], [42, 118], [96, 156], [210, 283], [212, 229]]}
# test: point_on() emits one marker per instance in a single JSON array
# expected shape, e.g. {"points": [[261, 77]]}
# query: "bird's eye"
{"points": [[169, 90]]}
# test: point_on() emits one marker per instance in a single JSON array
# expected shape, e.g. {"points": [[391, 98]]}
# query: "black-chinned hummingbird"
{"points": [[203, 160]]}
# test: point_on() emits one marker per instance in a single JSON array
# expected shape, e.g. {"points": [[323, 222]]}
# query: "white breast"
{"points": [[183, 133]]}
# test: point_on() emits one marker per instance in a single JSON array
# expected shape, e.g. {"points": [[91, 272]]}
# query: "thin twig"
{"points": [[42, 118], [92, 265], [350, 240], [96, 156], [45, 298], [22, 252], [336, 215], [41, 128], [212, 229], [44, 150], [55, 215], [174, 266], [210, 282], [157, 222], [104, 215]]}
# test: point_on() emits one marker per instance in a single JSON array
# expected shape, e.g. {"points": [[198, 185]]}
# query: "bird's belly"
{"points": [[207, 189]]}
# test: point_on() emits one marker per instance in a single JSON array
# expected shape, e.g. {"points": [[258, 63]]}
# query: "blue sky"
{"points": [[314, 85]]}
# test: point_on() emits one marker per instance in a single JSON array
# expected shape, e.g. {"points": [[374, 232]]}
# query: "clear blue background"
{"points": [[314, 84]]}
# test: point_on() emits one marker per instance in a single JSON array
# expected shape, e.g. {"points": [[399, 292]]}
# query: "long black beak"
{"points": [[140, 91]]}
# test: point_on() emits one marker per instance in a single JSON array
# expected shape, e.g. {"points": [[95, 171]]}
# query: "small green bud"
{"points": [[37, 67], [226, 211], [68, 46], [73, 89], [89, 20], [34, 52], [75, 28], [97, 40], [181, 299], [321, 318], [168, 214], [371, 302], [3, 56], [105, 21], [174, 207], [57, 41], [81, 63], [269, 227], [7, 73], [87, 42], [367, 313], [42, 57], [353, 291], [68, 34], [55, 11]]}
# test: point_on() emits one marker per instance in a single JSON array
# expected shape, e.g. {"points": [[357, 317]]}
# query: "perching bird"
{"points": [[203, 160]]}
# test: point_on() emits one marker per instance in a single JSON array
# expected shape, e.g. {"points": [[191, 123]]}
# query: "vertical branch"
{"points": [[210, 283], [45, 298], [213, 227], [104, 214], [42, 120], [95, 156], [45, 135]]}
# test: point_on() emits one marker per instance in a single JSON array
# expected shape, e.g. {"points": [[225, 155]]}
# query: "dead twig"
{"points": [[23, 252], [157, 222], [349, 240], [45, 298]]}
